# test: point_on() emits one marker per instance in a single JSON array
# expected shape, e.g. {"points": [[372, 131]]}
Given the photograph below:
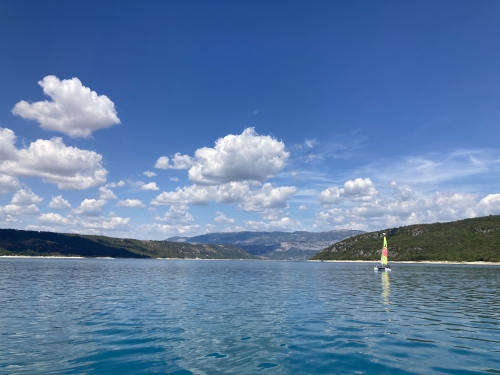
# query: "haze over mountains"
{"points": [[274, 245]]}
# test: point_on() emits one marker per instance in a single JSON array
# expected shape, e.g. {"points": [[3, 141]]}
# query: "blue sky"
{"points": [[156, 119]]}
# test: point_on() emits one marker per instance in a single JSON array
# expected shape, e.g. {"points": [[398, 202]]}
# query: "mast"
{"points": [[385, 252]]}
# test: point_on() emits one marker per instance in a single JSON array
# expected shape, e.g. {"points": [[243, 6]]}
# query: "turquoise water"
{"points": [[91, 316]]}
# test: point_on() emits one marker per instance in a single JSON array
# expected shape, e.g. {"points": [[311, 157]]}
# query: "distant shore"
{"points": [[409, 262], [330, 261]]}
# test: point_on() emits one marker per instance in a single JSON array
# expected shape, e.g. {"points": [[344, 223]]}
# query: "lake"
{"points": [[100, 316]]}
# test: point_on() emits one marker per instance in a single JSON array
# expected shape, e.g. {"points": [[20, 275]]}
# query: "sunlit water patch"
{"points": [[74, 316]]}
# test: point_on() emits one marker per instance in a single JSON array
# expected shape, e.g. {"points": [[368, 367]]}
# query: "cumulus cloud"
{"points": [[15, 210], [194, 194], [267, 197], [68, 167], [120, 183], [150, 174], [244, 157], [8, 184], [25, 198], [23, 203], [74, 110], [94, 224], [162, 163], [439, 206], [150, 186], [302, 207], [284, 223], [90, 207], [356, 190], [59, 203], [176, 215], [490, 204], [331, 195], [170, 230], [137, 203], [401, 192], [53, 218], [106, 194], [178, 162], [221, 218], [235, 192]]}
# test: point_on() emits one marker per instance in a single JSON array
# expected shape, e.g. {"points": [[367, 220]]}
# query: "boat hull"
{"points": [[382, 269]]}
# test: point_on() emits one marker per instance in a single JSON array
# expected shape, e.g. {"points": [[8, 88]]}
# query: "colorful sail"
{"points": [[385, 253]]}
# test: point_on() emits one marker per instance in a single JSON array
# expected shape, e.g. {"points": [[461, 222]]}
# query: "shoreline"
{"points": [[411, 262], [327, 261]]}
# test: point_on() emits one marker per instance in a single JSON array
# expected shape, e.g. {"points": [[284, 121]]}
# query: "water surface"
{"points": [[96, 316]]}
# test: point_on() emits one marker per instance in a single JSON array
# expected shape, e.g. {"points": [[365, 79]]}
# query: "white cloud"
{"points": [[82, 225], [181, 161], [437, 207], [490, 204], [267, 197], [59, 203], [221, 218], [310, 143], [170, 230], [15, 210], [360, 189], [302, 207], [256, 112], [23, 203], [194, 194], [102, 223], [120, 183], [8, 184], [402, 192], [162, 163], [235, 192], [150, 174], [106, 194], [176, 215], [356, 190], [150, 186], [68, 167], [74, 110], [175, 179], [130, 203], [285, 223], [25, 198], [331, 195], [53, 218], [178, 162], [243, 157], [90, 207]]}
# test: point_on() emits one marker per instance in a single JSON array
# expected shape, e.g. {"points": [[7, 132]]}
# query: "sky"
{"points": [[176, 118]]}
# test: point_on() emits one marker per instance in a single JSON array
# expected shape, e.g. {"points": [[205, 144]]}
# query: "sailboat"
{"points": [[384, 267]]}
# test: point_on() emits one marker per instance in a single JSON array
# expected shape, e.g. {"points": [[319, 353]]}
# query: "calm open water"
{"points": [[96, 316]]}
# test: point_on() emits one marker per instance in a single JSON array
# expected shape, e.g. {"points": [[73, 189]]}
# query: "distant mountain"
{"points": [[467, 240], [21, 242], [274, 245]]}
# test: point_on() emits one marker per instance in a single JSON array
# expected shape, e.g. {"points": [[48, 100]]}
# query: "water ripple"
{"points": [[236, 317]]}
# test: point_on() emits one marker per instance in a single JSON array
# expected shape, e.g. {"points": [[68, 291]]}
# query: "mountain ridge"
{"points": [[468, 240], [298, 245], [33, 243]]}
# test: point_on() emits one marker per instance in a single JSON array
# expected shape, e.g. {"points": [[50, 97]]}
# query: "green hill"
{"points": [[469, 240], [21, 242]]}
